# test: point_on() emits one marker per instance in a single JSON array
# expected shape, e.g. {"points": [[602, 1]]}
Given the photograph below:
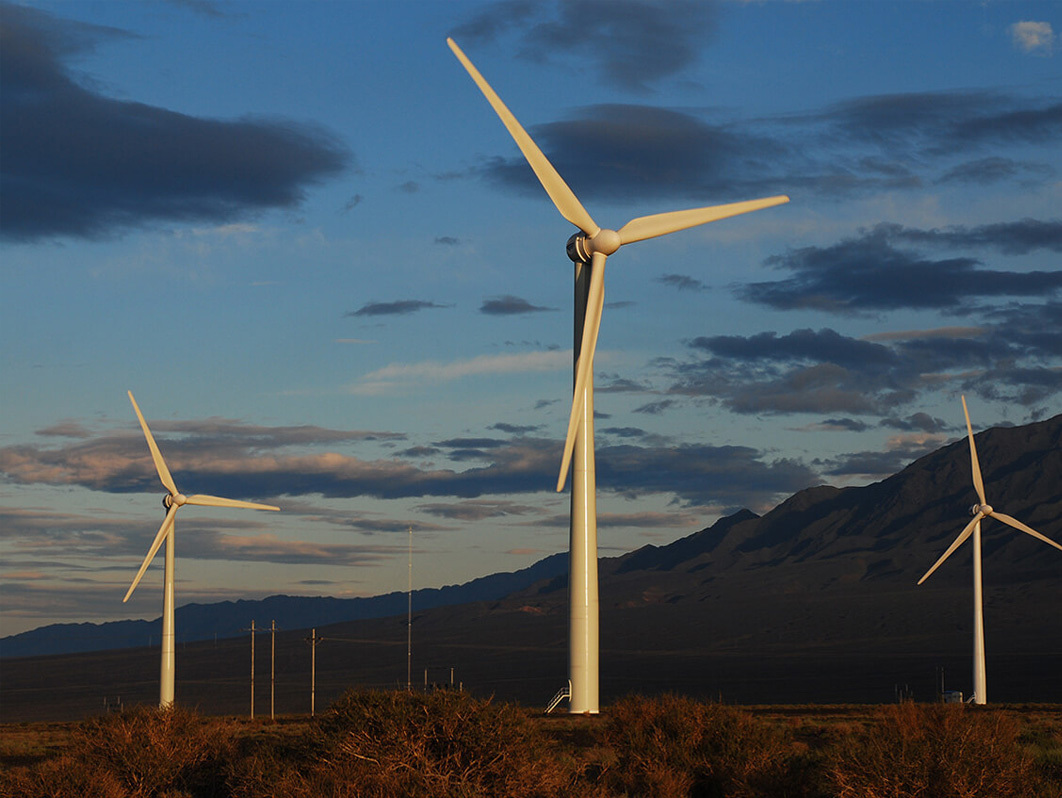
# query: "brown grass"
{"points": [[454, 745]]}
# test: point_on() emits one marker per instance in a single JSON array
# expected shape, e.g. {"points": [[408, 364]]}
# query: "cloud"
{"points": [[871, 273], [631, 43], [478, 509], [899, 452], [396, 375], [509, 305], [1033, 37], [899, 142], [682, 282], [698, 475], [65, 429], [448, 241], [77, 163], [401, 307], [918, 422], [1015, 356]]}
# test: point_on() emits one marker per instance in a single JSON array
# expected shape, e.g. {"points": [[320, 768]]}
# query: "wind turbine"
{"points": [[981, 510], [588, 249], [171, 501]]}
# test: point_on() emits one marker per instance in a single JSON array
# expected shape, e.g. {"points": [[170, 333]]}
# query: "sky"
{"points": [[302, 238]]}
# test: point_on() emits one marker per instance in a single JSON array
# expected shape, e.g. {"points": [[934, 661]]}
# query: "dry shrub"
{"points": [[939, 750], [675, 746], [62, 777], [142, 753], [435, 745]]}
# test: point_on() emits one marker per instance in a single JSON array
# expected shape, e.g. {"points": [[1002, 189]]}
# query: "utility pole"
{"points": [[272, 666], [252, 670], [409, 619], [313, 640]]}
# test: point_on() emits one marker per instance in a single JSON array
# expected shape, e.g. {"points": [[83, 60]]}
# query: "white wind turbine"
{"points": [[981, 510], [589, 249], [171, 501]]}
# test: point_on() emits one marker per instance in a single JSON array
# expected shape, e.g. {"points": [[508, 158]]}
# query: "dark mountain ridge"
{"points": [[231, 618], [815, 601]]}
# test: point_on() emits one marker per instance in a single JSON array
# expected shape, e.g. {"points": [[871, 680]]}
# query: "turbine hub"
{"points": [[983, 509], [171, 499], [606, 242]]}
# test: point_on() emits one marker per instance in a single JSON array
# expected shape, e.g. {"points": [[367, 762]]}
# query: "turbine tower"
{"points": [[171, 501], [588, 249], [979, 511]]}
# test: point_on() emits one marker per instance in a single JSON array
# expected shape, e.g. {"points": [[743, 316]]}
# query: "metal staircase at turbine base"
{"points": [[565, 693]]}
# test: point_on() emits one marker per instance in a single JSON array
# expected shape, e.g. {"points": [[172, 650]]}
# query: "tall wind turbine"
{"points": [[588, 249], [981, 510], [171, 501]]}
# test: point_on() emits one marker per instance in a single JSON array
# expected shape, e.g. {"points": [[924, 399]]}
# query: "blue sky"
{"points": [[298, 233]]}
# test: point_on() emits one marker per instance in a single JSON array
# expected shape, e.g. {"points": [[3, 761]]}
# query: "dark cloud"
{"points": [[495, 19], [449, 241], [478, 509], [1012, 357], [994, 169], [918, 422], [614, 151], [401, 307], [941, 122], [516, 429], [509, 305], [870, 273], [876, 465], [797, 346], [844, 424], [78, 163], [352, 203], [655, 408], [624, 432], [631, 43], [682, 282], [1010, 238], [701, 475], [65, 429]]}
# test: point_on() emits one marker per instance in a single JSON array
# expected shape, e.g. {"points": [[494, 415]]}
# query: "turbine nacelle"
{"points": [[581, 247]]}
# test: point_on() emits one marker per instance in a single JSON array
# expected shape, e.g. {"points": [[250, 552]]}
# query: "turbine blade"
{"points": [[167, 524], [595, 303], [979, 484], [663, 223], [958, 542], [1014, 522], [156, 455], [217, 501], [563, 197]]}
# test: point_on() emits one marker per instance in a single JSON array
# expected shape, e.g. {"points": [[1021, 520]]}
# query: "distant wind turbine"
{"points": [[979, 511], [589, 249], [171, 501]]}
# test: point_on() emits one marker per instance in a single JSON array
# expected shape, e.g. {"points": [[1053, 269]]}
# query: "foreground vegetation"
{"points": [[451, 745]]}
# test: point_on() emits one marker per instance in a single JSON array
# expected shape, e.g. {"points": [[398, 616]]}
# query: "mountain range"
{"points": [[815, 601], [231, 618]]}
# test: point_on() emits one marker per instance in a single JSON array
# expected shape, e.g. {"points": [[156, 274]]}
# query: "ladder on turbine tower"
{"points": [[565, 693]]}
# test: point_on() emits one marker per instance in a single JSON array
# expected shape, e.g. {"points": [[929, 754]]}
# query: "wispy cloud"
{"points": [[509, 305], [398, 375], [633, 44], [1037, 38]]}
